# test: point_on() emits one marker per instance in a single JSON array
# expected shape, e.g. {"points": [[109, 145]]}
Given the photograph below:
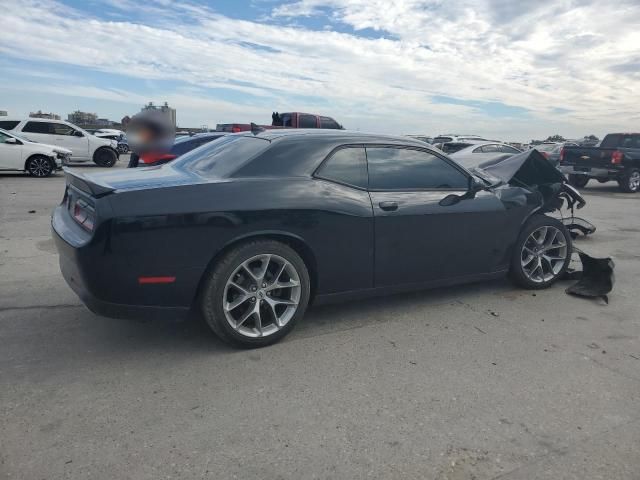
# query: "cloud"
{"points": [[510, 70]]}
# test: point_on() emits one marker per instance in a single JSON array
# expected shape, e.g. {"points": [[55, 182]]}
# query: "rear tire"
{"points": [[630, 181], [40, 166], [542, 253], [578, 181], [105, 157], [255, 294]]}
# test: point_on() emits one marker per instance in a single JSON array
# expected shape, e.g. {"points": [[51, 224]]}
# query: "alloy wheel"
{"points": [[262, 295], [544, 253], [634, 181], [40, 167]]}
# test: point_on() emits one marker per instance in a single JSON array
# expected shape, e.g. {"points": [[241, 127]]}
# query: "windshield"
{"points": [[222, 157], [11, 134]]}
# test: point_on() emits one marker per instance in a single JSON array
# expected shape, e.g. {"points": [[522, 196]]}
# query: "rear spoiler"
{"points": [[82, 182]]}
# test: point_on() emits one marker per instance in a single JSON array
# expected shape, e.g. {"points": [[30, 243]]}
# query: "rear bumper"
{"points": [[592, 172], [76, 277]]}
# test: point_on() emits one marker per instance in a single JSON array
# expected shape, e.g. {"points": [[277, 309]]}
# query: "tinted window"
{"points": [[286, 120], [621, 140], [347, 165], [36, 127], [61, 129], [306, 121], [186, 144], [407, 169], [453, 147], [508, 149], [8, 124], [219, 159], [326, 122], [490, 148], [442, 139]]}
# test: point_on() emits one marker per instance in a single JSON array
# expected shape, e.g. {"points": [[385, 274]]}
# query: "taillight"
{"points": [[150, 158], [616, 157], [235, 129], [84, 214], [562, 151]]}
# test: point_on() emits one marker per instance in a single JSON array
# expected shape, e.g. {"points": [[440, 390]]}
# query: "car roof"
{"points": [[187, 138], [330, 134], [31, 119]]}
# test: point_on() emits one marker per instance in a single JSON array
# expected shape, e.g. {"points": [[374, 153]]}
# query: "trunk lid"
{"points": [[587, 157], [104, 183]]}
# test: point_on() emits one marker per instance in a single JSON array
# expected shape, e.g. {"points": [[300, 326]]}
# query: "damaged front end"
{"points": [[529, 179]]}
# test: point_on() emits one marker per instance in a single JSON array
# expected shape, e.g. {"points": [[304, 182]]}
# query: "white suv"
{"points": [[84, 146], [38, 159]]}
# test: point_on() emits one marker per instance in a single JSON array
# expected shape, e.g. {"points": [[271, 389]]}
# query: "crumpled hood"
{"points": [[528, 168]]}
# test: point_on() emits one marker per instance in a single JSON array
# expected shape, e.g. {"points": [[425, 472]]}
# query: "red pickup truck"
{"points": [[285, 120]]}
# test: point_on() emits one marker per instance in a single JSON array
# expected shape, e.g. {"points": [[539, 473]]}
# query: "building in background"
{"points": [[3, 113], [41, 114], [162, 108], [82, 118]]}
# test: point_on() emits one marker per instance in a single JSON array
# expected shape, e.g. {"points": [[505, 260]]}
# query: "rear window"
{"points": [[8, 124], [220, 159], [327, 122], [186, 144], [442, 139], [621, 140]]}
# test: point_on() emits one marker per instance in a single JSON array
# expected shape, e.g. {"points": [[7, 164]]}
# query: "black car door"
{"points": [[419, 240]]}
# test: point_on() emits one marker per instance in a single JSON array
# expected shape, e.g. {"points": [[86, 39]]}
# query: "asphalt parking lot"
{"points": [[473, 382]]}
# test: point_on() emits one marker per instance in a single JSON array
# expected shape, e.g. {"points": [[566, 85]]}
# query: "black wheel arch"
{"points": [[292, 240]]}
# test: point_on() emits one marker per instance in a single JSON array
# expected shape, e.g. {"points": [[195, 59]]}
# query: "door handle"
{"points": [[388, 206]]}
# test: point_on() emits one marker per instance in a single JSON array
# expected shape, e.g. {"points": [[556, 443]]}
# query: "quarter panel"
{"points": [[183, 229]]}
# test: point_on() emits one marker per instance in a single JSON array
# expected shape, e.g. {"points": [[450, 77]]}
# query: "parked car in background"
{"points": [[551, 151], [17, 154], [251, 228], [285, 120], [181, 145], [422, 138], [616, 158], [84, 146], [479, 152]]}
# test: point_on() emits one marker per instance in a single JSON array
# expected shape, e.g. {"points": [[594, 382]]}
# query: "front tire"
{"points": [[40, 166], [630, 181], [541, 254], [578, 181], [256, 293], [105, 157]]}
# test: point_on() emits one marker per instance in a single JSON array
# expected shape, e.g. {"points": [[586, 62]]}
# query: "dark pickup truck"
{"points": [[285, 120], [616, 158]]}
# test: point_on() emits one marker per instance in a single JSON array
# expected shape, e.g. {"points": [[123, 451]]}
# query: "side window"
{"points": [[286, 120], [326, 122], [306, 121], [493, 148], [508, 149], [347, 165], [36, 127], [9, 124], [60, 129], [408, 169]]}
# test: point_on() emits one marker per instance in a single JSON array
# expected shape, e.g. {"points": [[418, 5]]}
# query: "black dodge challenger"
{"points": [[253, 227]]}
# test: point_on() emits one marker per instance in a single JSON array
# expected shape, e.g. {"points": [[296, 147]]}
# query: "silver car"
{"points": [[481, 152]]}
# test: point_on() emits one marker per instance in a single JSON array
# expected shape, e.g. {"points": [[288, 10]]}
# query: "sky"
{"points": [[511, 70]]}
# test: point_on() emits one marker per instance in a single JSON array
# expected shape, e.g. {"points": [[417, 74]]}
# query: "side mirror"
{"points": [[12, 141], [77, 133], [475, 186]]}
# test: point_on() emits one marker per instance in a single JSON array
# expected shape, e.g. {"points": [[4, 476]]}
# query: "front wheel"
{"points": [[40, 166], [541, 254], [105, 157], [630, 181], [256, 293], [578, 181]]}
